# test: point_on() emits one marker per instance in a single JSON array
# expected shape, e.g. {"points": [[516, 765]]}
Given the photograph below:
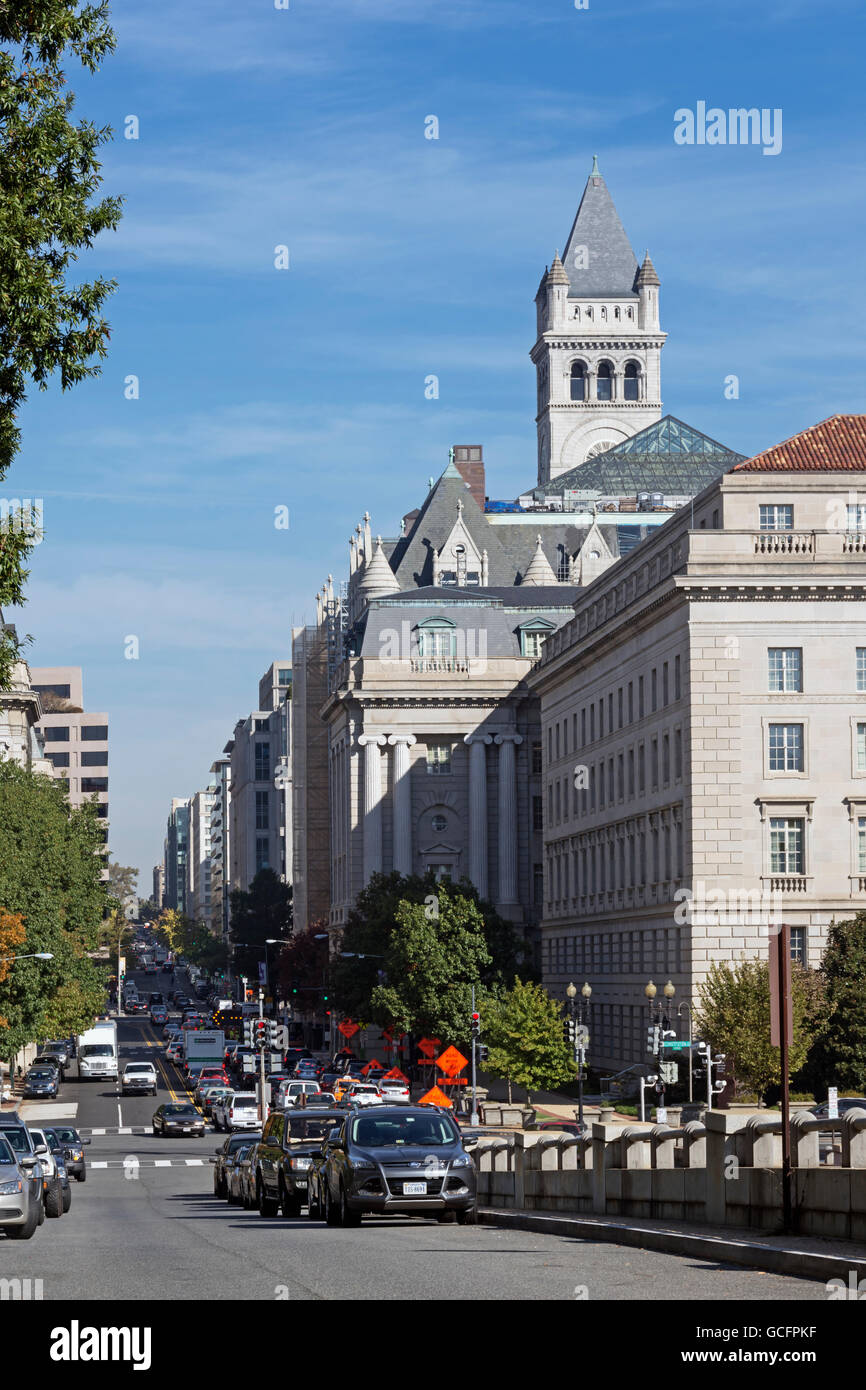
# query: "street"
{"points": [[146, 1225]]}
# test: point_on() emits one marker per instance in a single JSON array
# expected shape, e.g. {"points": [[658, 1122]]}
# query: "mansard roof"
{"points": [[610, 266], [837, 444], [668, 456]]}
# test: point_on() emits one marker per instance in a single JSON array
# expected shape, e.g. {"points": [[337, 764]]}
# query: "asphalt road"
{"points": [[147, 1226]]}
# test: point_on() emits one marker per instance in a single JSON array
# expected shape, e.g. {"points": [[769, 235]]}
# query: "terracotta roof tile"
{"points": [[834, 445]]}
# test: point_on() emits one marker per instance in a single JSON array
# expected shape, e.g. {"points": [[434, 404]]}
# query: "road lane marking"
{"points": [[132, 1161]]}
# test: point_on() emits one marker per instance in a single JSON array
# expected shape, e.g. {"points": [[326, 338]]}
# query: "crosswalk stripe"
{"points": [[162, 1163], [194, 1162]]}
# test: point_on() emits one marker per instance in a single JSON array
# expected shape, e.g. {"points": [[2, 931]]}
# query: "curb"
{"points": [[777, 1259]]}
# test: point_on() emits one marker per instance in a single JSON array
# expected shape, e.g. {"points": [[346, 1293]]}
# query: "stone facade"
{"points": [[704, 732]]}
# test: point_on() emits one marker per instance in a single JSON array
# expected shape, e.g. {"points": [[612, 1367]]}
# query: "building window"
{"points": [[631, 702], [437, 638], [531, 644], [578, 381], [558, 802], [653, 689], [620, 776], [439, 759], [57, 733], [631, 772], [666, 759], [786, 748], [678, 684], [94, 784], [777, 516], [640, 709], [861, 747], [262, 811], [538, 884], [537, 813], [641, 768], [861, 844], [861, 668], [786, 846], [94, 758], [604, 382], [583, 727], [263, 762], [665, 690], [262, 853], [798, 945], [630, 382], [284, 676], [59, 759], [786, 668], [556, 740], [857, 516], [654, 763], [536, 759], [678, 754]]}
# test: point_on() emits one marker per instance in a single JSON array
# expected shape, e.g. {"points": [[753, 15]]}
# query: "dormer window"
{"points": [[437, 639], [533, 635]]}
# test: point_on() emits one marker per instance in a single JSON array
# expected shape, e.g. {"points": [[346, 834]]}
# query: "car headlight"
{"points": [[7, 1188], [461, 1161], [302, 1164], [363, 1165]]}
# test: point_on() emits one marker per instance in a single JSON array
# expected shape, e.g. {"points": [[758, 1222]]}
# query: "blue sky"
{"points": [[305, 388]]}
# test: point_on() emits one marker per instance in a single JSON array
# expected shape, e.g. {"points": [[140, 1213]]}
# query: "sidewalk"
{"points": [[806, 1257]]}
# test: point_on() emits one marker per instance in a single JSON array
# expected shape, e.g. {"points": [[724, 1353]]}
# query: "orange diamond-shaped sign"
{"points": [[395, 1074], [451, 1061], [434, 1097], [428, 1046], [347, 1028]]}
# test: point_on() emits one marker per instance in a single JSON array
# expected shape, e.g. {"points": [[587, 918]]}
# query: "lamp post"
{"points": [[662, 1020], [581, 1008], [686, 1005]]}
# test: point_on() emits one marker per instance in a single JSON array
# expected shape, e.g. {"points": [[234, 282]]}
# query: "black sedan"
{"points": [[395, 1159], [73, 1149], [177, 1118], [42, 1081]]}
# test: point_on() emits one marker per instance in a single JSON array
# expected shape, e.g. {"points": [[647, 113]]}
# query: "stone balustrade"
{"points": [[724, 1172]]}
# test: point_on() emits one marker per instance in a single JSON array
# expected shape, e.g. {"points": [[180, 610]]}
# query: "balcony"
{"points": [[798, 543], [447, 665], [787, 883]]}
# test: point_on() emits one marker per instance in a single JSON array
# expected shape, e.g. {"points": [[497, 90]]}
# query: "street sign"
{"points": [[347, 1028], [677, 1046], [451, 1061], [428, 1046], [832, 1103], [582, 1035]]}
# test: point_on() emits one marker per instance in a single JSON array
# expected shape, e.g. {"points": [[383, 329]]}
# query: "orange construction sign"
{"points": [[395, 1074], [451, 1061], [347, 1028], [435, 1097], [372, 1065], [428, 1046]]}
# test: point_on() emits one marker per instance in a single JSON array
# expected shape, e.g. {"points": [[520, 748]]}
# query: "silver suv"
{"points": [[21, 1208]]}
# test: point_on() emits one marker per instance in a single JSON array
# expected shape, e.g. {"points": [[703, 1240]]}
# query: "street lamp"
{"points": [[34, 955], [581, 1007]]}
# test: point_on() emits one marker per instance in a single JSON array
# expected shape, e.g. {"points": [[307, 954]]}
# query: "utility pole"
{"points": [[263, 1115], [473, 1118], [119, 958], [782, 1036]]}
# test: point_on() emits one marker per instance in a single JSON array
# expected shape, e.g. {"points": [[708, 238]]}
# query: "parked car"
{"points": [[236, 1110], [42, 1081], [73, 1148], [843, 1105], [56, 1052], [395, 1092], [405, 1159], [230, 1146], [177, 1117], [238, 1170], [283, 1156], [37, 1158], [139, 1078], [273, 1085], [56, 1162], [21, 1208]]}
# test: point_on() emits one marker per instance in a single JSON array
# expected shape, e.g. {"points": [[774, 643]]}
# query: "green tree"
{"points": [[262, 911], [50, 874], [122, 884], [523, 1030], [430, 966], [734, 1018], [840, 1051], [302, 967], [49, 174], [373, 921]]}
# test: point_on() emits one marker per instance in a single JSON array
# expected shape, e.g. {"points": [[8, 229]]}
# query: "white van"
{"points": [[289, 1090]]}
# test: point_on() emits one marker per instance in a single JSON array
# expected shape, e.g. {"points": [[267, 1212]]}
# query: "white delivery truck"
{"points": [[97, 1052]]}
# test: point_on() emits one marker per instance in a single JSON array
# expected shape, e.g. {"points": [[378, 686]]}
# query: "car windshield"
{"points": [[139, 1066], [17, 1137], [181, 1110], [311, 1128], [393, 1131], [97, 1050], [244, 1102], [42, 1074], [66, 1136]]}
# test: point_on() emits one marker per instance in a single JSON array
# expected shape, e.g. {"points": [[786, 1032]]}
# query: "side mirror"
{"points": [[86, 1141], [469, 1143], [28, 1160], [41, 1149]]}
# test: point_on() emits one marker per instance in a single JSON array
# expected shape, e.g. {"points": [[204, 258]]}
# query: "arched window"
{"points": [[631, 381], [578, 381], [604, 382], [589, 311], [616, 312], [604, 312]]}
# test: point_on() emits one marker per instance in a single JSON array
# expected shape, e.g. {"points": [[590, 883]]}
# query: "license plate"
{"points": [[414, 1189], [301, 1185], [187, 1129]]}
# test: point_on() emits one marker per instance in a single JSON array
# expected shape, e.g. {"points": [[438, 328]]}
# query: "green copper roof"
{"points": [[669, 457]]}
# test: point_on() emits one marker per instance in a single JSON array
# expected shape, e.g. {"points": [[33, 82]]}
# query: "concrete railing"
{"points": [[726, 1171]]}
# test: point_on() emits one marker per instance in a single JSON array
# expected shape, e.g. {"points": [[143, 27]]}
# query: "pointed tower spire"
{"points": [[540, 571], [556, 275], [379, 578], [596, 172]]}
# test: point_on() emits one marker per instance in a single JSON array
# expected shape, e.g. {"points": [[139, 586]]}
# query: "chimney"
{"points": [[469, 462]]}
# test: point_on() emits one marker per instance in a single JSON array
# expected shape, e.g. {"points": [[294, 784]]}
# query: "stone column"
{"points": [[507, 818], [402, 802], [478, 810], [371, 743]]}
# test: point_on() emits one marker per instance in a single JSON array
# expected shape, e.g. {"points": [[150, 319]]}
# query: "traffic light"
{"points": [[476, 1025], [482, 1052], [653, 1039], [249, 1032], [569, 1030], [260, 1032]]}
